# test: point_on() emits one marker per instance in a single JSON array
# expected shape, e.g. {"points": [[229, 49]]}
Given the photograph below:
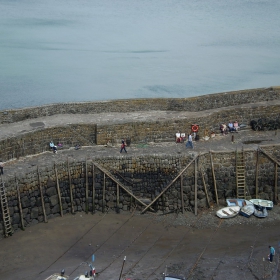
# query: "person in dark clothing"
{"points": [[271, 253], [123, 147], [1, 167]]}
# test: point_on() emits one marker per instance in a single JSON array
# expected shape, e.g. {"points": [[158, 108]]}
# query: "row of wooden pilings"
{"points": [[180, 175]]}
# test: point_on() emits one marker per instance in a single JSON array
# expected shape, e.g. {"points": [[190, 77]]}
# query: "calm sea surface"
{"points": [[65, 51]]}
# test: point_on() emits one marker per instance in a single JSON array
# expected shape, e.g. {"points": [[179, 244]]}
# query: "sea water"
{"points": [[69, 51]]}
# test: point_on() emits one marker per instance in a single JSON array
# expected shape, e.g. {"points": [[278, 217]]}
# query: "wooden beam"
{"points": [[42, 196], [118, 199], [86, 188], [19, 205], [195, 187], [169, 185], [182, 195], [275, 185], [270, 157], [93, 189], [70, 187], [103, 193], [257, 173], [214, 178], [58, 191], [205, 188], [119, 183]]}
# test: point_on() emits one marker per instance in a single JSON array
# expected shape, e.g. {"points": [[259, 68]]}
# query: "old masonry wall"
{"points": [[72, 187]]}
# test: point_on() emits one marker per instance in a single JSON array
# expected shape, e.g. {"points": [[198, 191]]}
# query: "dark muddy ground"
{"points": [[196, 247]]}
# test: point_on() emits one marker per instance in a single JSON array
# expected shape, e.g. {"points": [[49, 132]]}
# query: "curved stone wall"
{"points": [[193, 104], [37, 140], [73, 186]]}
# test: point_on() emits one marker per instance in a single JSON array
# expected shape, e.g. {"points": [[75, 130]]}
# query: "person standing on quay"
{"points": [[189, 143], [1, 167], [271, 253], [123, 146]]}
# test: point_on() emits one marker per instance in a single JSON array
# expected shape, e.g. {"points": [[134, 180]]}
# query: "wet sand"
{"points": [[216, 249]]}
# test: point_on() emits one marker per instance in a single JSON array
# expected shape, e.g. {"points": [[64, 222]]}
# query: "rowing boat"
{"points": [[228, 212], [268, 204]]}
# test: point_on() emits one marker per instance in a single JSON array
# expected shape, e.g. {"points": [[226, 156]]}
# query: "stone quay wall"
{"points": [[164, 130], [192, 104], [37, 141], [72, 187]]}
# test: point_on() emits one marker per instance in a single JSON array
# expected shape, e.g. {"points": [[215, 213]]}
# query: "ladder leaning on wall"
{"points": [[5, 211], [241, 191]]}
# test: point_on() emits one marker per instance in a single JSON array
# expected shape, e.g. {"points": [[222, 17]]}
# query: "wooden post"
{"points": [[257, 173], [182, 196], [195, 187], [118, 199], [93, 189], [19, 205], [70, 186], [86, 188], [42, 196], [205, 188], [103, 194], [58, 191], [275, 185], [214, 178]]}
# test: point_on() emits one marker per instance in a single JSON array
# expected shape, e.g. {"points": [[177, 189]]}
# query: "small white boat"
{"points": [[237, 201], [248, 209], [228, 212], [268, 204]]}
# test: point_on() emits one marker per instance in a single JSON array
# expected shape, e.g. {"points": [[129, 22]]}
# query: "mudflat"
{"points": [[196, 247]]}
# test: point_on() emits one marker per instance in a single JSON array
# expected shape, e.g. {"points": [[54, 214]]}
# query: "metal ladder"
{"points": [[5, 211], [240, 175]]}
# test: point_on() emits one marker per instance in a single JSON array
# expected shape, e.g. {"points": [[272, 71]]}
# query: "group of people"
{"points": [[231, 127]]}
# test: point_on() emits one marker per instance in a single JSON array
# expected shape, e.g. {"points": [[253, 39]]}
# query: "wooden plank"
{"points": [[182, 195], [195, 187], [42, 196], [118, 199], [270, 157], [93, 189], [19, 205], [86, 187], [58, 191], [103, 193], [275, 185], [205, 188], [70, 187], [214, 178], [169, 185], [119, 183]]}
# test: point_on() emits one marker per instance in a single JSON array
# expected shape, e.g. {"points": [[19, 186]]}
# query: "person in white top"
{"points": [[178, 137], [189, 143]]}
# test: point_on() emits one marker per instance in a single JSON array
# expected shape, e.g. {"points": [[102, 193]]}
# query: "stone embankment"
{"points": [[98, 178]]}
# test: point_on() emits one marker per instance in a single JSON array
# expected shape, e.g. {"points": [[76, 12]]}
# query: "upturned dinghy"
{"points": [[228, 212]]}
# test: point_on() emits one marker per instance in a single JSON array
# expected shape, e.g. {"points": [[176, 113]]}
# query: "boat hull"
{"points": [[228, 212], [268, 204], [247, 210]]}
